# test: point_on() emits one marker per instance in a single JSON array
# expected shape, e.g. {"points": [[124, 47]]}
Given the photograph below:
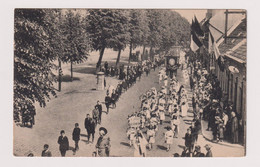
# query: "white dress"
{"points": [[165, 82], [169, 137], [184, 108], [140, 147], [162, 115], [151, 136]]}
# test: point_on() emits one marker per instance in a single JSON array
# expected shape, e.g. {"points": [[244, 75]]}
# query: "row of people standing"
{"points": [[123, 73], [210, 105]]}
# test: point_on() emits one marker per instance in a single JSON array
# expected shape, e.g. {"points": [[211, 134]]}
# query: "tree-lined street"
{"points": [[145, 65], [77, 99]]}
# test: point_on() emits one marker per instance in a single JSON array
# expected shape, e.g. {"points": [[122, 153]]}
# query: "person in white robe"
{"points": [[169, 138], [140, 144]]}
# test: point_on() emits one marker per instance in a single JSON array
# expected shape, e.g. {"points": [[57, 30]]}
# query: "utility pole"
{"points": [[60, 74], [226, 22]]}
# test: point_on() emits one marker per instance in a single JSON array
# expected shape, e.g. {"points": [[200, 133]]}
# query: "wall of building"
{"points": [[234, 87]]}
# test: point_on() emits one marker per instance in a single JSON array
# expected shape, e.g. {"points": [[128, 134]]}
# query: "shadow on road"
{"points": [[86, 141], [67, 78], [85, 70], [125, 144], [83, 135], [181, 146], [161, 147], [71, 148]]}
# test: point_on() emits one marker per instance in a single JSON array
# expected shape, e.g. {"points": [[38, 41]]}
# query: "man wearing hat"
{"points": [[103, 143], [197, 152], [208, 148]]}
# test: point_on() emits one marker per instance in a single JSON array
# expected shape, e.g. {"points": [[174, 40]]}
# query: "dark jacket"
{"points": [[234, 130], [46, 153], [90, 125], [76, 134], [194, 134], [188, 140], [185, 153], [107, 100], [63, 142], [99, 108], [87, 123], [209, 154], [198, 154]]}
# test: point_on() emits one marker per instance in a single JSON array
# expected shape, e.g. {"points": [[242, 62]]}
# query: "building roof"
{"points": [[240, 52], [236, 46]]}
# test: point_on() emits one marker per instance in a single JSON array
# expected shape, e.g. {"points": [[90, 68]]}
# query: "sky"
{"points": [[189, 14]]}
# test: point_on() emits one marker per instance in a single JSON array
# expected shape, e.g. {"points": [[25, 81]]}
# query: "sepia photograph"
{"points": [[116, 82]]}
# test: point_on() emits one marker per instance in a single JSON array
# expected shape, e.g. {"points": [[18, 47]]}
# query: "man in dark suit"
{"points": [[99, 107], [46, 152], [107, 102], [234, 128], [63, 142], [189, 142], [76, 136], [90, 127]]}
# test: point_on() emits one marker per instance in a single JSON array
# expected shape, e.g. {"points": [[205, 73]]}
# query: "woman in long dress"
{"points": [[184, 107], [161, 114], [151, 136], [169, 138], [140, 145]]}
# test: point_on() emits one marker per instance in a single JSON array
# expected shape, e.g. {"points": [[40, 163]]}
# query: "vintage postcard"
{"points": [[129, 82]]}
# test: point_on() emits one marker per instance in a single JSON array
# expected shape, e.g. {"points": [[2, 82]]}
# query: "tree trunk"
{"points": [[150, 54], [71, 71], [60, 73], [118, 57], [143, 53], [100, 58], [130, 53]]}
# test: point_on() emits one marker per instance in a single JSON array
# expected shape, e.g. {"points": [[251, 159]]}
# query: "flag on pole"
{"points": [[192, 25], [213, 46], [197, 28], [195, 43]]}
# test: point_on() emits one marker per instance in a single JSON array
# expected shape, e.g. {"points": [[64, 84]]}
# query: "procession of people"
{"points": [[171, 100], [128, 78]]}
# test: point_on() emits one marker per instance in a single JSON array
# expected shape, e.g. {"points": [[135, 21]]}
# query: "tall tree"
{"points": [[121, 32], [135, 29], [33, 61], [53, 24], [144, 25], [104, 29], [155, 27], [77, 44]]}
